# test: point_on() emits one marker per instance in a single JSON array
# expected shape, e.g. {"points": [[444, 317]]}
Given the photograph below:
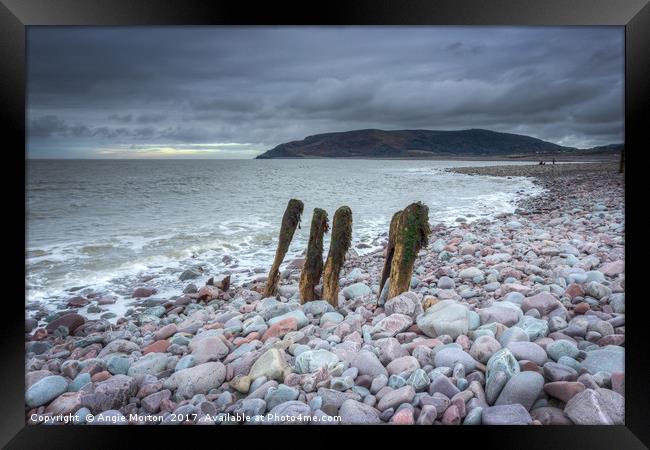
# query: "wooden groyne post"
{"points": [[339, 246], [313, 268], [290, 221], [412, 234], [390, 251]]}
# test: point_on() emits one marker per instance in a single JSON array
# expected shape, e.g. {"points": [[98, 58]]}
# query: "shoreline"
{"points": [[503, 158], [213, 352], [540, 172]]}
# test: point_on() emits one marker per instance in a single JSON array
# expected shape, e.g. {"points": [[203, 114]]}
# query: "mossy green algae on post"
{"points": [[412, 235]]}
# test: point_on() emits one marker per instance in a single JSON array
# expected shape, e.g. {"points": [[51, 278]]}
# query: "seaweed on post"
{"points": [[390, 251], [290, 221], [313, 268], [339, 246], [412, 235]]}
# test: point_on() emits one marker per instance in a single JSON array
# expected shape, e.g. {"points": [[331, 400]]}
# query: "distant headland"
{"points": [[373, 143]]}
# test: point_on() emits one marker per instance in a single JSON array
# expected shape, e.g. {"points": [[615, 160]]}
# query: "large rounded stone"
{"points": [[603, 327], [280, 394], [564, 390], [120, 347], [390, 349], [317, 307], [512, 334], [597, 290], [559, 372], [270, 308], [483, 348], [502, 361], [71, 321], [611, 269], [506, 415], [117, 365], [356, 290], [368, 364], [514, 297], [165, 332], [446, 317], [443, 385], [404, 364], [45, 390], [424, 355], [297, 314], [66, 403], [254, 324], [494, 386], [393, 324], [501, 312], [446, 283], [331, 317], [596, 407], [406, 303], [312, 360], [36, 375], [80, 381], [207, 349], [353, 412], [151, 364], [560, 348], [528, 351], [542, 302], [471, 273], [534, 328], [449, 357], [111, 394], [427, 415], [270, 365], [522, 388], [610, 359], [334, 399], [396, 397], [151, 403], [419, 380], [198, 379]]}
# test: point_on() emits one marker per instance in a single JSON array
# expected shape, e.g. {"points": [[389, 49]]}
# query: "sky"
{"points": [[235, 92]]}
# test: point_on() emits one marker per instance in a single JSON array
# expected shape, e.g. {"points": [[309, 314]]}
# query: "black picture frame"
{"points": [[634, 15]]}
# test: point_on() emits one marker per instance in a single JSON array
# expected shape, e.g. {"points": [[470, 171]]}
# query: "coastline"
{"points": [[542, 173], [212, 352], [524, 158]]}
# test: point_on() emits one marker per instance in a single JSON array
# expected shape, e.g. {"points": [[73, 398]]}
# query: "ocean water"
{"points": [[107, 225]]}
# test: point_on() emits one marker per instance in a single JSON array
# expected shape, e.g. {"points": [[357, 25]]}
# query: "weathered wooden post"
{"points": [[412, 235], [313, 268], [339, 246], [290, 221], [390, 251]]}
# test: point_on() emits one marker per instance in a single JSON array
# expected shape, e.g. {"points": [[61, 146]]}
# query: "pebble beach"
{"points": [[514, 320]]}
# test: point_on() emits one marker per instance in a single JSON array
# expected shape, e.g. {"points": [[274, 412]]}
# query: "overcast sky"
{"points": [[234, 92]]}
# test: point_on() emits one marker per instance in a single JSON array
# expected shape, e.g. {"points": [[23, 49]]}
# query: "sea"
{"points": [[110, 226]]}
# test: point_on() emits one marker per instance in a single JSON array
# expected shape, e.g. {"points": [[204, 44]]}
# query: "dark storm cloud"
{"points": [[46, 126], [227, 91]]}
